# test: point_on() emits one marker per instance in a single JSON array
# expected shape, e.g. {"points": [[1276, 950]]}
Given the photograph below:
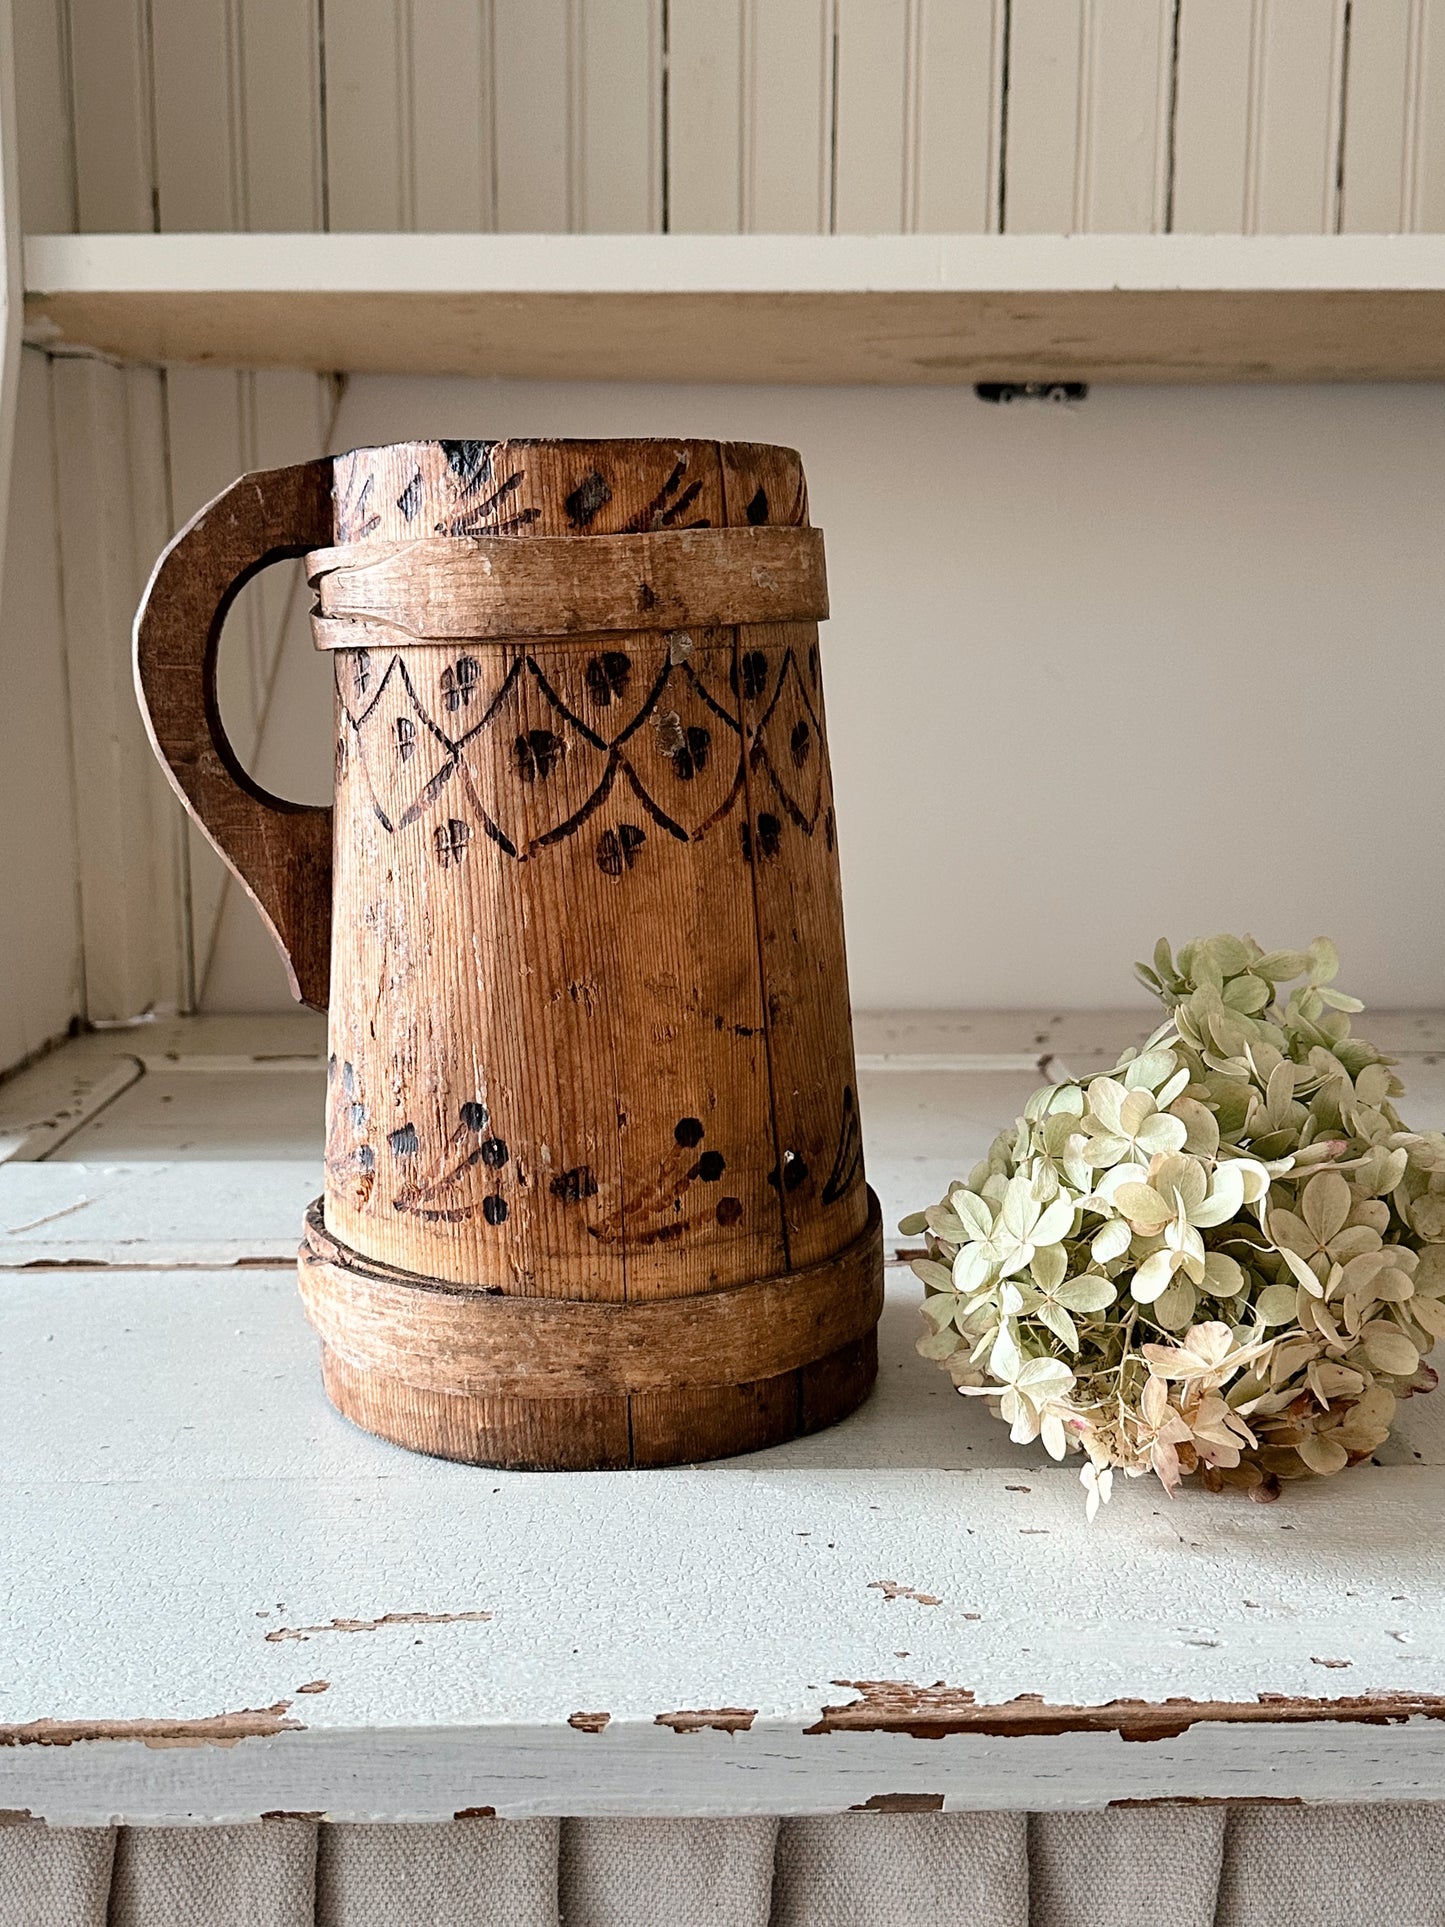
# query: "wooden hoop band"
{"points": [[452, 1338], [492, 587]]}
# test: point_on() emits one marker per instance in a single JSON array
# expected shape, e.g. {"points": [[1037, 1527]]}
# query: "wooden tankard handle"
{"points": [[280, 851]]}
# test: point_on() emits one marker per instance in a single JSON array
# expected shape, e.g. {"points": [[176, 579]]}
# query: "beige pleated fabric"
{"points": [[903, 1870], [459, 1873], [1127, 1867], [1172, 1866], [636, 1873], [1369, 1866], [55, 1876], [248, 1876]]}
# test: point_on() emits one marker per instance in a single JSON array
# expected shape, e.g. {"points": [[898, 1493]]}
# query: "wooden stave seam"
{"points": [[791, 1310]]}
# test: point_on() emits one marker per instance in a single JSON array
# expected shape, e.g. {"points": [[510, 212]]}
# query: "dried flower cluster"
{"points": [[1226, 1257]]}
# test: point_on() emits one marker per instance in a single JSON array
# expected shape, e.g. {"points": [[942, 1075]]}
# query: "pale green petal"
{"points": [[1091, 1293], [1222, 1275], [1056, 1222], [1110, 1241], [1325, 1204], [1050, 1263], [1059, 1323], [1152, 1277], [1276, 1304], [1142, 1205]]}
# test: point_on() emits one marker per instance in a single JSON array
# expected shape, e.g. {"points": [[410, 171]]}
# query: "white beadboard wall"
{"points": [[1165, 582]]}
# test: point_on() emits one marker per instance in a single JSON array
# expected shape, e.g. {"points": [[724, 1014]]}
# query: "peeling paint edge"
{"points": [[220, 1729], [939, 1711]]}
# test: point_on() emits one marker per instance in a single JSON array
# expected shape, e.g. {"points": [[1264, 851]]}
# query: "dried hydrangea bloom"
{"points": [[1225, 1259]]}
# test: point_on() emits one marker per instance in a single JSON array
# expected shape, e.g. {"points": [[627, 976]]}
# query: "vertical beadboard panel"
{"points": [[617, 138], [875, 113], [1297, 118], [1212, 115], [42, 103], [39, 901], [450, 115], [1127, 61], [111, 108], [532, 99], [112, 495], [280, 115], [958, 95], [704, 116], [1381, 117], [1428, 167], [368, 115], [1257, 125], [787, 116], [1394, 161], [236, 98], [1041, 160], [195, 89]]}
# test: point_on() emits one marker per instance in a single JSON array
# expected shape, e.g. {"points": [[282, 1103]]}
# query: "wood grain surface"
{"points": [[279, 851], [590, 1038], [474, 588]]}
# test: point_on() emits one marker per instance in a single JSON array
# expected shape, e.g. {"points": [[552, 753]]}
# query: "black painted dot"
{"points": [[348, 1079], [494, 1208], [403, 1142], [755, 673], [607, 677], [795, 1172], [729, 1210], [770, 834], [689, 1131], [590, 495], [366, 1158], [474, 1116], [494, 1153], [358, 1117], [830, 829], [710, 1166], [574, 1185], [757, 509], [801, 742]]}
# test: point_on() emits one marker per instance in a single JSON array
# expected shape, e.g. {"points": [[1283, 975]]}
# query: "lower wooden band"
{"points": [[475, 1343]]}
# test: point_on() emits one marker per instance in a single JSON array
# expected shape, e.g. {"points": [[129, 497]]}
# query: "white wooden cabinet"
{"points": [[266, 1609], [234, 204]]}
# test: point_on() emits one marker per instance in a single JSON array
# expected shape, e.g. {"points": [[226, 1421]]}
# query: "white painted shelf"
{"points": [[757, 308], [219, 1600]]}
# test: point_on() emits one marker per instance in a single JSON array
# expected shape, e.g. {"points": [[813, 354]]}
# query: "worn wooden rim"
{"points": [[481, 588], [476, 1342]]}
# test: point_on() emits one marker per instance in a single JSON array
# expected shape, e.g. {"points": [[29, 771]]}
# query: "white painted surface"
{"points": [[40, 951], [185, 1517], [112, 490], [166, 264], [198, 1494]]}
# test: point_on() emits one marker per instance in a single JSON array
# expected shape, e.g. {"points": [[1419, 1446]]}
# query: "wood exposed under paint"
{"points": [[935, 1712], [220, 1729], [719, 1719], [372, 1625]]}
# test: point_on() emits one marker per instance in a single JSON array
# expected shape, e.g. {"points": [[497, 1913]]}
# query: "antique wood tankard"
{"points": [[594, 1178]]}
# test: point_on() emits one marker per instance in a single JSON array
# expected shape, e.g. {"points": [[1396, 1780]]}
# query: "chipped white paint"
{"points": [[174, 1487], [155, 1213], [48, 1103]]}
